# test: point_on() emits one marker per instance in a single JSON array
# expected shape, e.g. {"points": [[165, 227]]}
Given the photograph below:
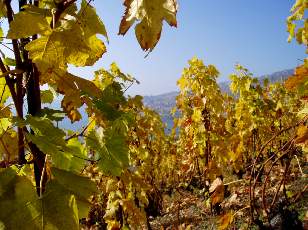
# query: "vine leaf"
{"points": [[73, 159], [81, 187], [73, 88], [92, 25], [3, 10], [48, 138], [112, 151], [150, 15], [217, 191], [299, 81], [8, 144], [225, 220], [57, 209], [302, 134], [47, 96], [39, 24], [298, 14], [108, 103], [4, 91], [69, 156]]}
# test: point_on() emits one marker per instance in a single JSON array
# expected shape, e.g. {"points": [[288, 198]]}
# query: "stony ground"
{"points": [[191, 210]]}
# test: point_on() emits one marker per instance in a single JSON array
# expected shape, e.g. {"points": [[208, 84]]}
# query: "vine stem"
{"points": [[266, 179], [42, 177], [299, 166], [81, 133], [251, 188], [19, 86], [282, 182], [263, 165]]}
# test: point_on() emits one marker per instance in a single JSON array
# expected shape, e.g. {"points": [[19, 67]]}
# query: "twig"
{"points": [[263, 165], [233, 182], [299, 166], [251, 189], [3, 92], [237, 211], [81, 133], [266, 179], [89, 160], [281, 183], [7, 47], [19, 85], [299, 194], [42, 177]]}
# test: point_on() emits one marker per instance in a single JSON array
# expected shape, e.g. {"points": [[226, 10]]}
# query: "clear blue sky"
{"points": [[223, 33]]}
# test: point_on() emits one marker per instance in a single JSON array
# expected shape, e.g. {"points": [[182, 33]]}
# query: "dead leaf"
{"points": [[225, 221]]}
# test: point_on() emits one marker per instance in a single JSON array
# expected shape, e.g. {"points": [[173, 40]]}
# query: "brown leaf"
{"points": [[302, 134], [225, 221], [218, 190], [217, 182], [300, 77]]}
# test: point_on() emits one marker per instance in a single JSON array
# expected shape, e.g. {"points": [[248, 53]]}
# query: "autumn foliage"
{"points": [[116, 171]]}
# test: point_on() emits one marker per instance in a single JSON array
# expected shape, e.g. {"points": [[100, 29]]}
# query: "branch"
{"points": [[19, 86], [81, 133], [42, 177], [251, 188], [61, 7]]}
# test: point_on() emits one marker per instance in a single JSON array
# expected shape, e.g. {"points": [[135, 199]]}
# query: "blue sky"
{"points": [[223, 33]]}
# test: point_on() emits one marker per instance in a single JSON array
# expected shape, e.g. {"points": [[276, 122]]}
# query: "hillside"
{"points": [[163, 103]]}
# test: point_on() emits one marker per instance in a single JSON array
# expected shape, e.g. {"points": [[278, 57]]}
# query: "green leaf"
{"points": [[44, 127], [109, 103], [21, 208], [112, 151], [48, 138], [81, 187], [73, 159], [52, 114], [46, 96], [6, 177], [9, 61], [39, 25]]}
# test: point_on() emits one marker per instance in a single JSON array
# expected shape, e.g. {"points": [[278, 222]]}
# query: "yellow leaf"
{"points": [[300, 77], [38, 22], [225, 221], [302, 134], [197, 115], [150, 14]]}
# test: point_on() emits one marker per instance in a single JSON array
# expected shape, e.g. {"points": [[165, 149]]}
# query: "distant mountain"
{"points": [[163, 103]]}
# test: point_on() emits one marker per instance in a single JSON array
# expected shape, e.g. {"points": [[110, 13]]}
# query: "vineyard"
{"points": [[231, 161]]}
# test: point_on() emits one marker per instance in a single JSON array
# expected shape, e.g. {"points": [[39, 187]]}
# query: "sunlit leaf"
{"points": [[150, 15]]}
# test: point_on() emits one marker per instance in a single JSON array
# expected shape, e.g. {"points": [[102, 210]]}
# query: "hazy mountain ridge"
{"points": [[163, 103]]}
